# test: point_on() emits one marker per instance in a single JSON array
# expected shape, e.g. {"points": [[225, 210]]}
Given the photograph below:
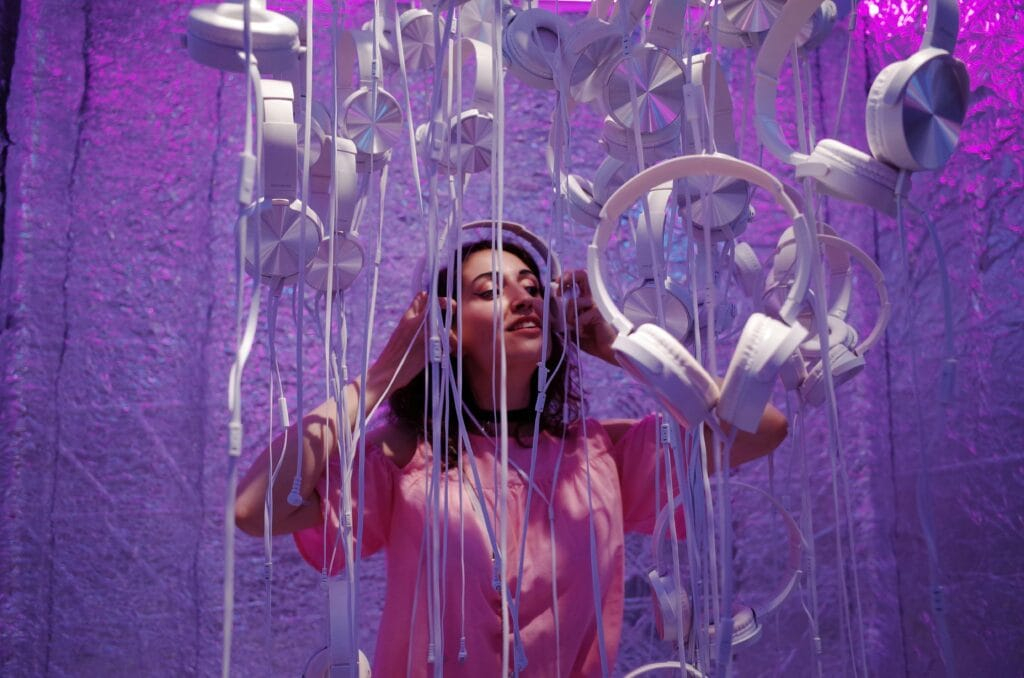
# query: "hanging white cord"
{"points": [[840, 478], [923, 490], [807, 528], [294, 497], [846, 68], [250, 178]]}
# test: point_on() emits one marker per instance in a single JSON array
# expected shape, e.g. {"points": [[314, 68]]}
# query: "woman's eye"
{"points": [[533, 290], [486, 294]]}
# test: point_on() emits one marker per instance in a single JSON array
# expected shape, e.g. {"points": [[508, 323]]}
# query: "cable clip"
{"points": [[235, 438], [666, 433], [435, 349], [938, 600], [462, 650]]}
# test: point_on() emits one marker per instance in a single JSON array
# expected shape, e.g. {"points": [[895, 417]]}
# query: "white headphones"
{"points": [[216, 33], [511, 232], [336, 658], [845, 350], [415, 27], [531, 45], [284, 231], [651, 355], [672, 607], [914, 112], [465, 141], [743, 24], [640, 304], [594, 42], [369, 115], [586, 198]]}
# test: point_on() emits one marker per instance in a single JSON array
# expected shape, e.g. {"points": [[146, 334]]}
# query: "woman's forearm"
{"points": [[319, 439]]}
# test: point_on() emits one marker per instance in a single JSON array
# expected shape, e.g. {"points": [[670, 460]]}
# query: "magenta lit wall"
{"points": [[117, 325]]}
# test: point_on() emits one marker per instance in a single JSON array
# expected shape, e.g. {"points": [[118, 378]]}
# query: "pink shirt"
{"points": [[397, 506]]}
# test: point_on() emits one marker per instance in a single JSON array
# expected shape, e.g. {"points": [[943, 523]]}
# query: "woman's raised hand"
{"points": [[583, 319], [403, 356]]}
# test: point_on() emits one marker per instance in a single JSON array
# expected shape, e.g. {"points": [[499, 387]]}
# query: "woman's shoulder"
{"points": [[395, 442]]}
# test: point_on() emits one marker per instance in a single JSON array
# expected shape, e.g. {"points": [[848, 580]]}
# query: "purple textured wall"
{"points": [[117, 326]]}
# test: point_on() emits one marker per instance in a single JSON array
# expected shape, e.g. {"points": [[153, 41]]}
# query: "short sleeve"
{"points": [[374, 502], [636, 457]]}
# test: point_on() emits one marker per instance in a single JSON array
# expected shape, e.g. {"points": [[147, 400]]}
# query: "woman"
{"points": [[585, 484]]}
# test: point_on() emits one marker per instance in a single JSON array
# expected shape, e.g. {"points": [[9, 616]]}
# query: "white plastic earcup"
{"points": [[747, 271], [682, 386], [672, 607], [348, 263], [720, 204], [463, 142], [416, 27], [650, 80], [370, 116], [319, 666], [620, 143], [762, 350], [346, 184], [531, 46], [640, 305], [839, 333], [288, 240], [579, 194], [845, 363], [915, 110], [216, 35], [850, 174]]}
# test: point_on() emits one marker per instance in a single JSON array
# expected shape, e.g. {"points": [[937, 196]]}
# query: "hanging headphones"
{"points": [[743, 24], [594, 42], [348, 254], [336, 659], [465, 141], [672, 607], [640, 304], [216, 35], [649, 353], [288, 234], [369, 115], [415, 27], [914, 112], [845, 350], [585, 198], [647, 80], [530, 44], [544, 257]]}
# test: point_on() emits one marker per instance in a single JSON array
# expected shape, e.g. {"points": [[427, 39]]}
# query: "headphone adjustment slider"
{"points": [[246, 178]]}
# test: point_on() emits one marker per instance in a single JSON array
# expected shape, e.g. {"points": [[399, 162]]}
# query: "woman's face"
{"points": [[519, 308]]}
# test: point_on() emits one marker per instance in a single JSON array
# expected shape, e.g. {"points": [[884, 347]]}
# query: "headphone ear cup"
{"points": [[846, 364], [579, 193], [820, 25], [284, 232], [763, 348], [872, 114], [641, 307], [682, 386], [850, 174], [671, 607]]}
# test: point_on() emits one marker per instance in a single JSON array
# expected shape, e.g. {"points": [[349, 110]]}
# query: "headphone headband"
{"points": [[885, 308], [678, 168]]}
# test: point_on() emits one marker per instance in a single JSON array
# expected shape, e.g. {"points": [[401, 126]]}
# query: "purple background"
{"points": [[117, 325]]}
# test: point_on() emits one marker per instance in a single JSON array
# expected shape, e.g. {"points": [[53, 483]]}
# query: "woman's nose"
{"points": [[519, 298]]}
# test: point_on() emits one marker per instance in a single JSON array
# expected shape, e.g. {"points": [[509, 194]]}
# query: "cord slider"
{"points": [[235, 438], [435, 349]]}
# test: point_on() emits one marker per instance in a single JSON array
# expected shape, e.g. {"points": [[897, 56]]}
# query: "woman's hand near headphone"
{"points": [[583, 320]]}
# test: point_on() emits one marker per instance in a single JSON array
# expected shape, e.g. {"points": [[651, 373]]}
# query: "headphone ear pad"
{"points": [[762, 350], [846, 364], [850, 174], [652, 357], [877, 135], [671, 608]]}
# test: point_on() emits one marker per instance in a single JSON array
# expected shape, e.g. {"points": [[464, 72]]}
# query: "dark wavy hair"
{"points": [[411, 408]]}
